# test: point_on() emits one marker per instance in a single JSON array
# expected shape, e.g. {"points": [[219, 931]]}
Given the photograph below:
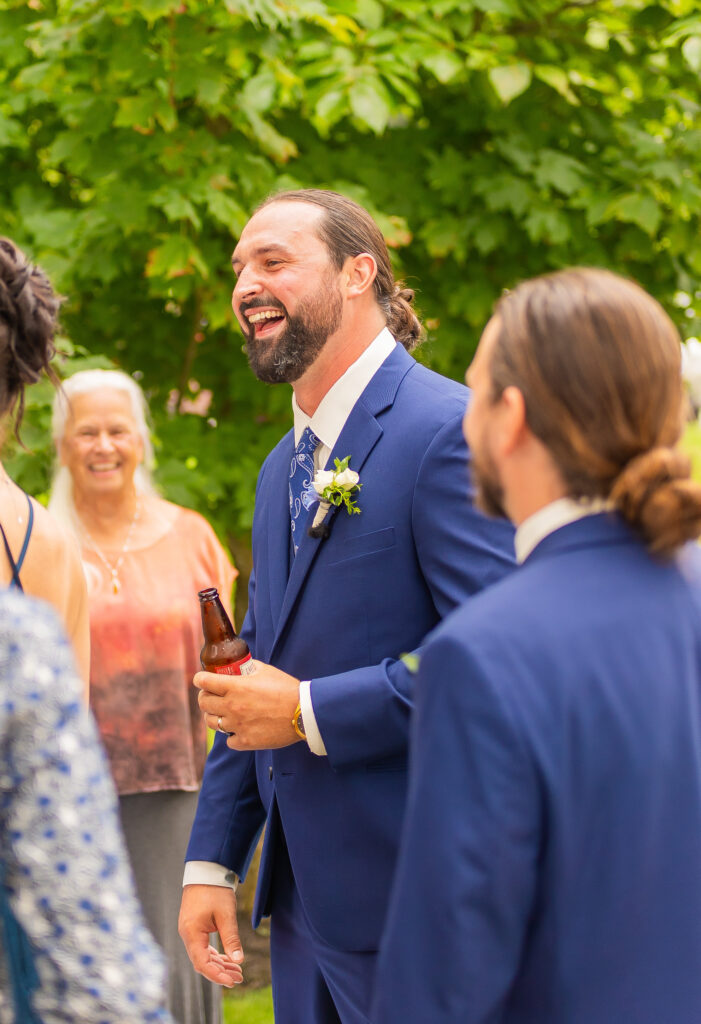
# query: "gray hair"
{"points": [[61, 503]]}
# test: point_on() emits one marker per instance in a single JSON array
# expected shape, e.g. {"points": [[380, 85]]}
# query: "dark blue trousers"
{"points": [[312, 982]]}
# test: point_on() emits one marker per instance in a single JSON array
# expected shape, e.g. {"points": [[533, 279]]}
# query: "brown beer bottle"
{"points": [[223, 650]]}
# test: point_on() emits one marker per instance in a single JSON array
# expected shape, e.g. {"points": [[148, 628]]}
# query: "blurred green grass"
{"points": [[248, 1007]]}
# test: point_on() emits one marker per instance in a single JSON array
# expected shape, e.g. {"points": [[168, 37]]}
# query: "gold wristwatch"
{"points": [[298, 723]]}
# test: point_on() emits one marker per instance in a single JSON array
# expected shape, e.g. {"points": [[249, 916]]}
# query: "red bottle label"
{"points": [[236, 668]]}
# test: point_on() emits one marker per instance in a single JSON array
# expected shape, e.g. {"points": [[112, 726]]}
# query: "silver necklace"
{"points": [[114, 569]]}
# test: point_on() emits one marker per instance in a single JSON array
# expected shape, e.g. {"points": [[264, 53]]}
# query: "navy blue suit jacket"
{"points": [[341, 615], [554, 813]]}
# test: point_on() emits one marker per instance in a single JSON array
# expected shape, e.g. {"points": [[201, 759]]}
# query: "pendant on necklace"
{"points": [[116, 585]]}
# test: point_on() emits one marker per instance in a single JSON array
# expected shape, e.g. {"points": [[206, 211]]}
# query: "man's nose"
{"points": [[247, 285]]}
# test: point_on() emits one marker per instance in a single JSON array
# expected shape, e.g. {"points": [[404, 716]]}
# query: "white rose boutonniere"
{"points": [[339, 486]]}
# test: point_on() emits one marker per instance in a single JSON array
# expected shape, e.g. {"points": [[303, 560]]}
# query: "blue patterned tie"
{"points": [[301, 475]]}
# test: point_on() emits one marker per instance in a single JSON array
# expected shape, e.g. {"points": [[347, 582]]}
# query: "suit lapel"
{"points": [[359, 436], [276, 499]]}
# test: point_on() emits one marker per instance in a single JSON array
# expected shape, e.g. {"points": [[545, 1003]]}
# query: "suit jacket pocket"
{"points": [[365, 544]]}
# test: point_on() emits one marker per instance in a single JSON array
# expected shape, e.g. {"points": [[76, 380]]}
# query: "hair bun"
{"points": [[401, 318], [28, 312], [655, 495], [17, 286], [406, 294]]}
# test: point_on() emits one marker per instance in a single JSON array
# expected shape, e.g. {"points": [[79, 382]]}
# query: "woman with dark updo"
{"points": [[73, 942], [37, 555]]}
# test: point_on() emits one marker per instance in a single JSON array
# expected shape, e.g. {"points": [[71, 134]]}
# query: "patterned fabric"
{"points": [[301, 475], [62, 853]]}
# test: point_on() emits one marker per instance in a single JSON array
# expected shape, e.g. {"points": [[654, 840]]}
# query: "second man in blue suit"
{"points": [[333, 612], [550, 866]]}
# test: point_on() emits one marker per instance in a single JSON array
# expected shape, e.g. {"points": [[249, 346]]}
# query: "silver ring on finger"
{"points": [[219, 728]]}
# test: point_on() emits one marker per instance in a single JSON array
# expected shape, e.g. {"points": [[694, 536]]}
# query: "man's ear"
{"points": [[358, 274], [513, 425]]}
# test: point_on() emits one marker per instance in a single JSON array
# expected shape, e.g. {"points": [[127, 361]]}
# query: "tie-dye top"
{"points": [[66, 875], [145, 644]]}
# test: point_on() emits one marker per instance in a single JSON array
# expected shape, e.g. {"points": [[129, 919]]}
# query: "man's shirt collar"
{"points": [[335, 407], [550, 518]]}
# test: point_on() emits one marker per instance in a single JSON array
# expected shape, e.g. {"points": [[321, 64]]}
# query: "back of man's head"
{"points": [[348, 230], [598, 362]]}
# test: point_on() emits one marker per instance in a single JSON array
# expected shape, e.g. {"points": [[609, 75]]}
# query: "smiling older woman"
{"points": [[145, 559]]}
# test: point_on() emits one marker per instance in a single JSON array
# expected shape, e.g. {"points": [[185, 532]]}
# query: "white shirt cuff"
{"points": [[311, 729], [205, 872]]}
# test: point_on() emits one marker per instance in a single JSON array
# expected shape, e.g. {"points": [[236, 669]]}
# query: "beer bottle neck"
{"points": [[216, 624]]}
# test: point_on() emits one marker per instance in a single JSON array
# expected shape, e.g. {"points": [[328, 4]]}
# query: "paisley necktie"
{"points": [[301, 475]]}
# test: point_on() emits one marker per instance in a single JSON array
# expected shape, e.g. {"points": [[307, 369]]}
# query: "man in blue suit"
{"points": [[332, 611], [549, 868]]}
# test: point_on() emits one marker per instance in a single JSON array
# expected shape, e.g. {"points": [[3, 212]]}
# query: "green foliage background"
{"points": [[492, 139]]}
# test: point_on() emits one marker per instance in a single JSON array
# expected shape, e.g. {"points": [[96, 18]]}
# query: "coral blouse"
{"points": [[145, 644]]}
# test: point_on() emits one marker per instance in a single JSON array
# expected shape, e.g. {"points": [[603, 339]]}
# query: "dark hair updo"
{"points": [[28, 314]]}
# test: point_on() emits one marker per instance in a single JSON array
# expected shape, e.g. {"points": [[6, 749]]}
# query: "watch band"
{"points": [[298, 723]]}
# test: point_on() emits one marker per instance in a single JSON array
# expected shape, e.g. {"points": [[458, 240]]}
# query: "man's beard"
{"points": [[291, 354], [489, 495]]}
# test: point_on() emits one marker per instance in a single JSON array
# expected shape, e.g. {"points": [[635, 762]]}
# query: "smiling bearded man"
{"points": [[316, 299]]}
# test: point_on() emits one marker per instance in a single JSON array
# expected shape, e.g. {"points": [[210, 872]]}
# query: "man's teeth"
{"points": [[268, 314]]}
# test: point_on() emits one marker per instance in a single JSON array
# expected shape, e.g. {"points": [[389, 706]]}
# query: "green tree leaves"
{"points": [[510, 81], [492, 139]]}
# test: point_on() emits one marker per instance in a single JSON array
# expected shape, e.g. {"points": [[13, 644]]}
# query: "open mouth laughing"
{"points": [[264, 321]]}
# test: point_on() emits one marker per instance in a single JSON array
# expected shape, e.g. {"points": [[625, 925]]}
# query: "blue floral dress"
{"points": [[68, 898]]}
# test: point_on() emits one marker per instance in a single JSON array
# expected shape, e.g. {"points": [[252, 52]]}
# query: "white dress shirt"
{"points": [[551, 517], [327, 423]]}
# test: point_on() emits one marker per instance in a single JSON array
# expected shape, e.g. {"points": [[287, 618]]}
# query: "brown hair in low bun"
{"points": [[401, 318], [598, 362], [655, 494], [28, 315], [348, 230]]}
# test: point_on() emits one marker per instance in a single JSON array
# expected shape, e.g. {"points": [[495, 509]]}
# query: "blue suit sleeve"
{"points": [[472, 833], [363, 715], [230, 813], [461, 550]]}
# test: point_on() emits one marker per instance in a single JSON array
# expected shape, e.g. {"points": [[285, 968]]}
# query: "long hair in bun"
{"points": [[348, 230], [598, 362]]}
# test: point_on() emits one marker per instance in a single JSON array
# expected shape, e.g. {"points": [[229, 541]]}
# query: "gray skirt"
{"points": [[156, 828]]}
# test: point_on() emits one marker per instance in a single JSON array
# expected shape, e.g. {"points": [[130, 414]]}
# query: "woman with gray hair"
{"points": [[145, 559]]}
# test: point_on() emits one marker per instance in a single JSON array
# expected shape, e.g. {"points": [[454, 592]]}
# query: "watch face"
{"points": [[299, 723]]}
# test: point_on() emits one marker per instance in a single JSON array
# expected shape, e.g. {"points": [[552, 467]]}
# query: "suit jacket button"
{"points": [[270, 773]]}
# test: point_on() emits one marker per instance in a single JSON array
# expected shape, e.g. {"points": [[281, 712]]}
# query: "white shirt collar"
{"points": [[330, 417], [550, 518]]}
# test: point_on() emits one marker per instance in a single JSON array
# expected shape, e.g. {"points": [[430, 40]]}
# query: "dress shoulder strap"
{"points": [[16, 566], [15, 581], [30, 524]]}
